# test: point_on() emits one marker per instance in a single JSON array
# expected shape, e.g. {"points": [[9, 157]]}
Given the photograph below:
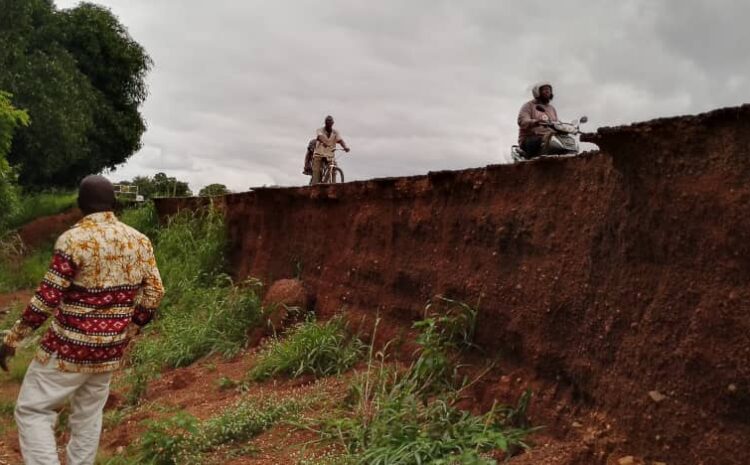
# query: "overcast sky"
{"points": [[239, 87]]}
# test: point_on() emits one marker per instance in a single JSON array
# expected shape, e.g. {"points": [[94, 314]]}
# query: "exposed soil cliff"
{"points": [[620, 278]]}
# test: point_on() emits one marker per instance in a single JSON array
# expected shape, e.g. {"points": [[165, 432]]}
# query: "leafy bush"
{"points": [[10, 119], [321, 349]]}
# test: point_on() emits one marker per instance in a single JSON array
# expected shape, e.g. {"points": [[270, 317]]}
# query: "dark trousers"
{"points": [[532, 146]]}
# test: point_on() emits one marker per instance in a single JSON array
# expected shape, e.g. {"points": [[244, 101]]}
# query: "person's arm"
{"points": [[340, 140], [46, 300], [152, 289], [526, 117]]}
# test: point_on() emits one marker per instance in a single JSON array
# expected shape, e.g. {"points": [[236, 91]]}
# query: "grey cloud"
{"points": [[239, 87]]}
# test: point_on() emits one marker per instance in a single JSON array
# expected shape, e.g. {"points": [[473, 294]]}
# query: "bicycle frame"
{"points": [[330, 166]]}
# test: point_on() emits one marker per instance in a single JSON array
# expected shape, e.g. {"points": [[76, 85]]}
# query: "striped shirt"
{"points": [[102, 280]]}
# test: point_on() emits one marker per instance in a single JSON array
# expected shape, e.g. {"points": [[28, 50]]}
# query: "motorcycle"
{"points": [[562, 140]]}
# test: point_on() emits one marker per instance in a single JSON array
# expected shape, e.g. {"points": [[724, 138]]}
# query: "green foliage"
{"points": [[10, 119], [18, 271], [143, 218], [203, 312], [183, 439], [449, 329], [225, 383], [82, 78], [321, 349], [217, 322], [160, 185], [191, 252], [214, 189], [399, 427], [33, 205], [409, 417], [116, 416], [7, 407]]}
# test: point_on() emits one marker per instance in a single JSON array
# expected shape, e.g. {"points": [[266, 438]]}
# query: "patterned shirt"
{"points": [[103, 278]]}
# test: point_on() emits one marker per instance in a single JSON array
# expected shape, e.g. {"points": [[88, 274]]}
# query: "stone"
{"points": [[656, 396], [284, 295]]}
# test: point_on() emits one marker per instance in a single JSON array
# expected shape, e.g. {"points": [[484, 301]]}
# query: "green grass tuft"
{"points": [[409, 416], [312, 347], [184, 440], [24, 271]]}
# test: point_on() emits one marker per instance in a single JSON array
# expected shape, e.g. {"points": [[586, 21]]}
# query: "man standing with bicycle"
{"points": [[327, 138]]}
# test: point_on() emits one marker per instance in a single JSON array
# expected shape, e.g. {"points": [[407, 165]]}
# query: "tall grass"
{"points": [[19, 270], [36, 205], [409, 417], [143, 218], [312, 347], [203, 311]]}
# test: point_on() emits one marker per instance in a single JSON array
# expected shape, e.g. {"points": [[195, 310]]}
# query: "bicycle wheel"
{"points": [[339, 175]]}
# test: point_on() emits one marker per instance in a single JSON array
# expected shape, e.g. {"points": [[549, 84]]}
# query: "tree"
{"points": [[170, 186], [214, 189], [160, 185], [10, 119], [82, 78]]}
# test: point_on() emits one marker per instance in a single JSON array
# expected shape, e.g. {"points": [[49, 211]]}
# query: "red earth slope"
{"points": [[619, 278]]}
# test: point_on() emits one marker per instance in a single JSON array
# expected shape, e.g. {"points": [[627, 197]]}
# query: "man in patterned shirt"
{"points": [[101, 287]]}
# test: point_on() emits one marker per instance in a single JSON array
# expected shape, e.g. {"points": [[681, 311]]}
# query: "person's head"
{"points": [[96, 194], [329, 122], [543, 92]]}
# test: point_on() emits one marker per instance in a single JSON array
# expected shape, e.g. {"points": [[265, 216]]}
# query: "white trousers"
{"points": [[46, 389]]}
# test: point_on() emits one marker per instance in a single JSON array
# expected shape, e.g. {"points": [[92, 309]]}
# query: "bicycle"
{"points": [[330, 171]]}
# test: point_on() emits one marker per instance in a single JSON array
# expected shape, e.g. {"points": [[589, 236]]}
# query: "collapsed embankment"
{"points": [[620, 277]]}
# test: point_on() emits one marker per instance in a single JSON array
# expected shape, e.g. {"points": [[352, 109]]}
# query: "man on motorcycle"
{"points": [[534, 118], [327, 138]]}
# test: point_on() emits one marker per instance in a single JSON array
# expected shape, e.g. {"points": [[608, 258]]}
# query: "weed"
{"points": [[203, 312], [19, 270], [226, 383], [409, 416], [7, 408], [183, 439], [320, 349], [143, 218], [114, 417], [441, 336], [41, 204]]}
